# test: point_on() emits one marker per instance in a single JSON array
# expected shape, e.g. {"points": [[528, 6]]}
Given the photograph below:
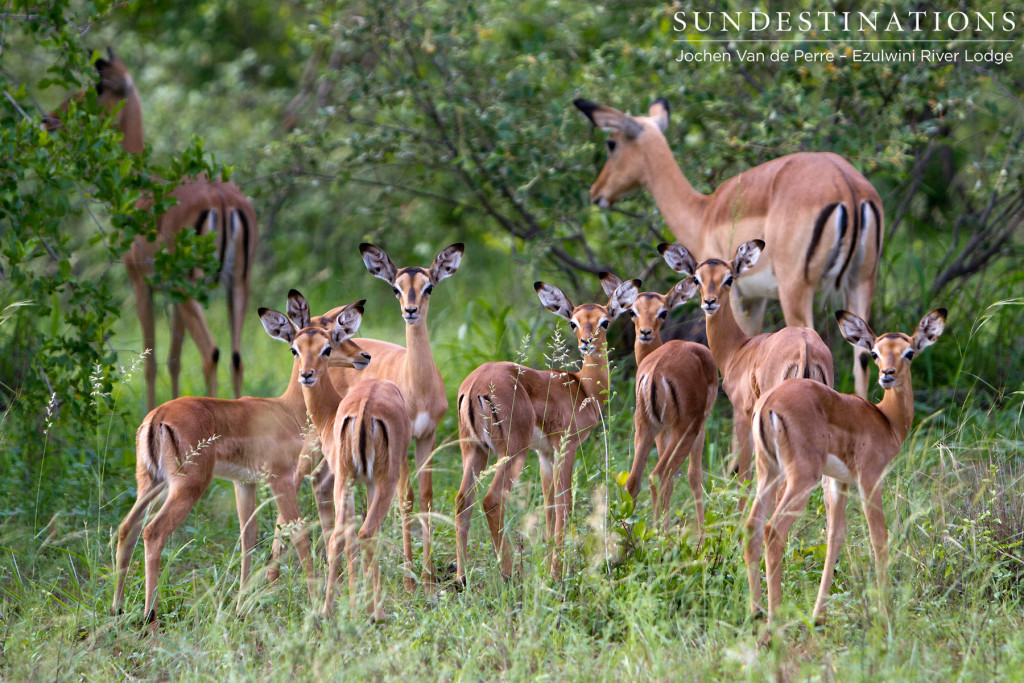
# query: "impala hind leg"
{"points": [[245, 502], [494, 503], [128, 535], [790, 507], [322, 481], [768, 480], [749, 312], [238, 301], [144, 308], [378, 504], [835, 494], [643, 440], [195, 323], [337, 545], [174, 350], [180, 500], [743, 446], [474, 460]]}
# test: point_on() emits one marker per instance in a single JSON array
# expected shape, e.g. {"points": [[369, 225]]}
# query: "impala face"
{"points": [[589, 322], [314, 341], [627, 165], [650, 309], [412, 285], [714, 277], [893, 351]]}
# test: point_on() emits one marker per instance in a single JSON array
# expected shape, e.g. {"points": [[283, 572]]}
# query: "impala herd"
{"points": [[782, 230]]}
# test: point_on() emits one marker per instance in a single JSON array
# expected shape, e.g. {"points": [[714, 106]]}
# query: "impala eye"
{"points": [[398, 292], [326, 352], [605, 324], [573, 325], [728, 281], [874, 355], [611, 145], [909, 354], [427, 290], [696, 281], [295, 352], [632, 313], [662, 314]]}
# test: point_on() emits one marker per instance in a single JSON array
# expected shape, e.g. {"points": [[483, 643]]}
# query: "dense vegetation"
{"points": [[452, 121]]}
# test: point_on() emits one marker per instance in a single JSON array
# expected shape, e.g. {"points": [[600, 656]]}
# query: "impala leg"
{"points": [[643, 439], [768, 479], [323, 482], [474, 459], [695, 478], [405, 505], [174, 351], [871, 501], [792, 504], [336, 546], [377, 507], [563, 505], [128, 535], [238, 300], [743, 444], [176, 507], [291, 520], [245, 503], [547, 486], [351, 546], [144, 308], [195, 323], [835, 532], [424, 455], [494, 507], [749, 312]]}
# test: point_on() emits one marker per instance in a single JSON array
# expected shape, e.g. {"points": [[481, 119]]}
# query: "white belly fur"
{"points": [[760, 284], [420, 425], [835, 468]]}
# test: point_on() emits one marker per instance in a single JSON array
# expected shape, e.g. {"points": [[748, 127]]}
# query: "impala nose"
{"points": [[411, 310], [646, 333]]}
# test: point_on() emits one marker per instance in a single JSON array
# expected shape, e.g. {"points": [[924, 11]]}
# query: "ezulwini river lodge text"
{"points": [[923, 55]]}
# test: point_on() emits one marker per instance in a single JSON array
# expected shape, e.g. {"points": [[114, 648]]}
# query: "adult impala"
{"points": [[804, 429], [412, 368], [676, 385], [750, 366], [821, 219], [364, 436], [183, 444], [507, 409], [204, 206]]}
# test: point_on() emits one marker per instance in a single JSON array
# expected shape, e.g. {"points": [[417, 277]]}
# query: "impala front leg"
{"points": [[871, 501], [245, 502], [563, 506], [424, 455]]}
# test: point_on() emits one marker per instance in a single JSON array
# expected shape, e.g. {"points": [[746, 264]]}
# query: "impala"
{"points": [[822, 219], [204, 206], [804, 430], [183, 444], [676, 385], [412, 368], [364, 436], [750, 366], [507, 409]]}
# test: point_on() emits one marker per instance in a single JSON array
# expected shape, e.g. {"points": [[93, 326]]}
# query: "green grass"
{"points": [[633, 605]]}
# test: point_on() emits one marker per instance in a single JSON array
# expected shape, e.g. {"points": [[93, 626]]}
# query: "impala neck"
{"points": [[643, 349], [593, 375], [419, 367], [292, 396], [322, 401], [132, 140], [680, 205], [725, 336], [897, 405]]}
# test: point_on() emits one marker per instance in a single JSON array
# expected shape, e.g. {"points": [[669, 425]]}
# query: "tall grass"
{"points": [[633, 604]]}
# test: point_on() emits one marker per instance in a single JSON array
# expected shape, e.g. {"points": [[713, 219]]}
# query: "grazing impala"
{"points": [[204, 206], [822, 219], [676, 385], [750, 365], [412, 368], [182, 445], [507, 409], [804, 430], [364, 436]]}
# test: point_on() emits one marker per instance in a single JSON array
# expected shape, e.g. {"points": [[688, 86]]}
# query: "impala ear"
{"points": [[298, 309], [747, 255], [929, 329], [658, 111], [678, 258], [348, 321], [855, 330], [623, 297], [609, 282], [277, 325], [554, 300], [609, 119], [681, 293], [378, 263], [447, 262]]}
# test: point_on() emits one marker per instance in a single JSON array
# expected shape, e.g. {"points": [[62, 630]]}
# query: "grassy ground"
{"points": [[633, 604]]}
